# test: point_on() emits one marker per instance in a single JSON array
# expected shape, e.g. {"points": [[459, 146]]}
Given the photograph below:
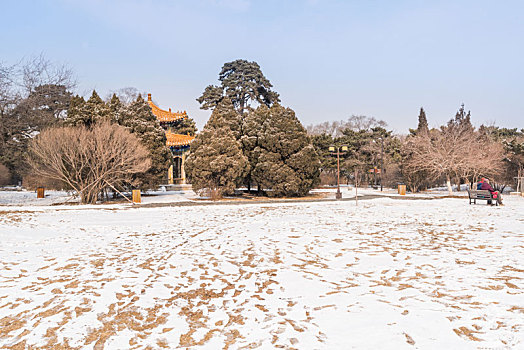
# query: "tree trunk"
{"points": [[356, 187], [519, 179], [448, 184], [242, 107]]}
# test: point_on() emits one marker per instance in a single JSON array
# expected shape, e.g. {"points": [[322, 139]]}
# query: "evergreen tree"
{"points": [[87, 113], [73, 112], [422, 127], [241, 82], [139, 119], [185, 126], [226, 116], [322, 142], [282, 159], [115, 108], [216, 161], [44, 107], [422, 122]]}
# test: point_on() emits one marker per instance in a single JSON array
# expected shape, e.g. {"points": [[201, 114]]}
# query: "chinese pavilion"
{"points": [[177, 143]]}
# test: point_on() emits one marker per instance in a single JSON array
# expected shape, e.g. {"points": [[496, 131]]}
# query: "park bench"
{"points": [[481, 195]]}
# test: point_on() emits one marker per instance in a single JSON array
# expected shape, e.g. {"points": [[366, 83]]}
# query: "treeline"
{"points": [[455, 153], [94, 147]]}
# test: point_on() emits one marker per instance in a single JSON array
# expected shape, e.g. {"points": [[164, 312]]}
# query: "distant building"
{"points": [[178, 144]]}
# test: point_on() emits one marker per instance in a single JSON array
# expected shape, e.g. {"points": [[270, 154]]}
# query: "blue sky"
{"points": [[328, 59]]}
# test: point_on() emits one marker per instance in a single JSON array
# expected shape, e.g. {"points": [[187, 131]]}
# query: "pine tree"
{"points": [[23, 118], [422, 127], [216, 161], [226, 116], [87, 113], [73, 112], [241, 82], [282, 158], [185, 126], [45, 107], [139, 119], [115, 108]]}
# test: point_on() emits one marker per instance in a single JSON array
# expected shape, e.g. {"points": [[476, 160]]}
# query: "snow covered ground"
{"points": [[28, 198], [24, 197], [388, 274]]}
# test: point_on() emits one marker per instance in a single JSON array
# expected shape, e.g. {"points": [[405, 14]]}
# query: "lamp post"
{"points": [[337, 149], [381, 164], [381, 161]]}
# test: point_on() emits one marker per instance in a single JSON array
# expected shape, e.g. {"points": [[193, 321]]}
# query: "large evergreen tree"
{"points": [[225, 115], [282, 158], [139, 119], [242, 82], [216, 161], [45, 106]]}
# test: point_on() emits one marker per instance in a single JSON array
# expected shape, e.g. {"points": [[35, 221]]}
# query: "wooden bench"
{"points": [[481, 195]]}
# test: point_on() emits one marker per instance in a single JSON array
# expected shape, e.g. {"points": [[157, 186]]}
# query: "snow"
{"points": [[168, 197], [388, 274], [28, 198]]}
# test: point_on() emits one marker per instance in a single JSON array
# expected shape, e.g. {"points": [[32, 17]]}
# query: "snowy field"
{"points": [[28, 198], [388, 274]]}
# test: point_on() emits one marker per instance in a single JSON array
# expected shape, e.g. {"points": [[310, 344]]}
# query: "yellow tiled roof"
{"points": [[165, 116], [178, 139]]}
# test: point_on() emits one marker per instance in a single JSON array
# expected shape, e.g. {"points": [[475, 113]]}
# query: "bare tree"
{"points": [[126, 95], [38, 71], [336, 128], [486, 158], [88, 160], [7, 87], [362, 122], [456, 150]]}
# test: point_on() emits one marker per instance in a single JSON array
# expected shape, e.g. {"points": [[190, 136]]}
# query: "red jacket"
{"points": [[487, 186]]}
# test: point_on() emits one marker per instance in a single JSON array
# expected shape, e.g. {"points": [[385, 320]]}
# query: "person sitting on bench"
{"points": [[496, 195], [479, 184]]}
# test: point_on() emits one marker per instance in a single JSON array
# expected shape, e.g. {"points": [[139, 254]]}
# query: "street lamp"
{"points": [[381, 161], [381, 164], [337, 149]]}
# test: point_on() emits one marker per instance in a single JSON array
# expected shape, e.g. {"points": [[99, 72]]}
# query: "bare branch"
{"points": [[88, 159]]}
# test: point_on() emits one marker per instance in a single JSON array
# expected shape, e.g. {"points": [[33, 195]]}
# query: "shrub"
{"points": [[88, 160]]}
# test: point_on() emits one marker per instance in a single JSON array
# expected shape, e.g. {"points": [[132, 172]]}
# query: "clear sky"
{"points": [[328, 59]]}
